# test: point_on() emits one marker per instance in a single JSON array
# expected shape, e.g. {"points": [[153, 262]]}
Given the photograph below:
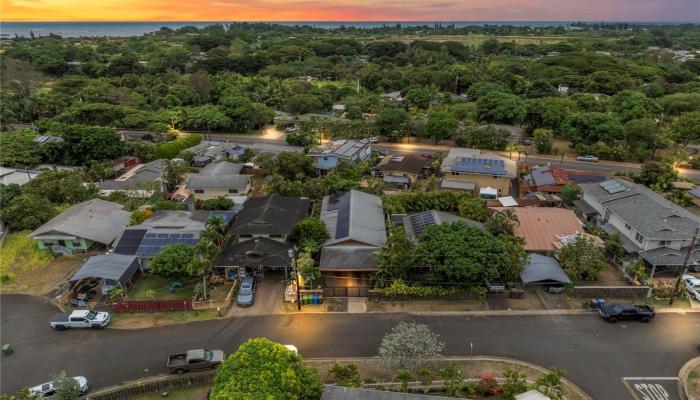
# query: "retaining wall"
{"points": [[621, 292]]}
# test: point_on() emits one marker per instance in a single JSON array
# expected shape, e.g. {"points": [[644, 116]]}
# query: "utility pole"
{"points": [[684, 270]]}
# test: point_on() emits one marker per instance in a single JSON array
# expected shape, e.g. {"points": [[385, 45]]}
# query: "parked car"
{"points": [[47, 390], [80, 319], [373, 139], [526, 141], [692, 285], [194, 360], [588, 158], [614, 312], [495, 285], [246, 293]]}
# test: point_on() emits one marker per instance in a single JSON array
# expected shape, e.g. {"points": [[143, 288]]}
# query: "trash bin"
{"points": [[315, 298]]}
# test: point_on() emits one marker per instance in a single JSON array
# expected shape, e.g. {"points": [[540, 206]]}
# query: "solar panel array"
{"points": [[152, 242], [477, 165], [421, 221], [342, 204], [612, 186], [130, 241]]}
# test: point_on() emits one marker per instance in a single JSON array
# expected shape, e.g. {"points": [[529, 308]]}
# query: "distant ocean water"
{"points": [[122, 29]]}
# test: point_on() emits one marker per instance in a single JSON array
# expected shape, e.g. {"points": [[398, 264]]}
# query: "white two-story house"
{"points": [[650, 226]]}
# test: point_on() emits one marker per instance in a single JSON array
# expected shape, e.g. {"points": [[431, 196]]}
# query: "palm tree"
{"points": [[211, 240], [502, 222]]}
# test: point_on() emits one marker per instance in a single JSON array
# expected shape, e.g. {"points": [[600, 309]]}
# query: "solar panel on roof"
{"points": [[130, 241], [421, 221], [342, 228]]}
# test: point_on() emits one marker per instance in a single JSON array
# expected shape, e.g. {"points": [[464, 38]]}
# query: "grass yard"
{"points": [[26, 269], [193, 393], [148, 320], [161, 287]]}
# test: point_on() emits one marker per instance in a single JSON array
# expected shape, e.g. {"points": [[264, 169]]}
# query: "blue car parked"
{"points": [[246, 293]]}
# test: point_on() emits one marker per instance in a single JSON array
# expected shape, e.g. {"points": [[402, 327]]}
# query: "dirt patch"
{"points": [[425, 305], [529, 301], [563, 146], [39, 280]]}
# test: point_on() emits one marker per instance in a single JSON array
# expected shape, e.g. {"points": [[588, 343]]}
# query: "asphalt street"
{"points": [[596, 354], [601, 166]]}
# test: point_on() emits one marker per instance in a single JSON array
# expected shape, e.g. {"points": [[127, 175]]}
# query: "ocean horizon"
{"points": [[138, 28]]}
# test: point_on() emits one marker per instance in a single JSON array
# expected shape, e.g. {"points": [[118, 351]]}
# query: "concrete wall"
{"points": [[214, 193], [602, 292]]}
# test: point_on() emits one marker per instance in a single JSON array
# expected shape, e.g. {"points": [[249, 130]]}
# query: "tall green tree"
{"points": [[501, 107], [173, 260], [394, 260], [27, 212], [263, 369], [440, 125], [582, 259]]}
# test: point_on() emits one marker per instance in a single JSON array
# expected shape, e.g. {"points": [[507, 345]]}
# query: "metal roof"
{"points": [[97, 220], [354, 215], [348, 258], [202, 182], [116, 267], [542, 269], [221, 168]]}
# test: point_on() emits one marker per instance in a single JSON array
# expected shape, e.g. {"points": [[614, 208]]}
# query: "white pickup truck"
{"points": [[80, 319]]}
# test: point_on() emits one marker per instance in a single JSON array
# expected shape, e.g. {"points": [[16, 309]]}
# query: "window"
{"points": [[199, 191], [628, 227], [639, 238], [77, 243], [500, 190], [664, 243], [496, 177], [455, 173], [233, 190], [325, 158]]}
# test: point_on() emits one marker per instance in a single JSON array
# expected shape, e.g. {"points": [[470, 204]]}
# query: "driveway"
{"points": [[269, 297], [596, 354]]}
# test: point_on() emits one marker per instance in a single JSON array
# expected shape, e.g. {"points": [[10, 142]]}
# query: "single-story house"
{"points": [[543, 270], [416, 224], [162, 228], [218, 179], [115, 270], [544, 227], [551, 179], [10, 176], [355, 222], [141, 181], [470, 170], [328, 155], [82, 225], [402, 170]]}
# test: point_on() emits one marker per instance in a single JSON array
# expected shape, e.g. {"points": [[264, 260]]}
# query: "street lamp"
{"points": [[293, 255]]}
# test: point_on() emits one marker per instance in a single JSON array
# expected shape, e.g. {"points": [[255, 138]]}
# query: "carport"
{"points": [[114, 269], [543, 270]]}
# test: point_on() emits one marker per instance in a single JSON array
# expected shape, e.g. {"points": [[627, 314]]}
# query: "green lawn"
{"points": [[160, 318], [161, 286]]}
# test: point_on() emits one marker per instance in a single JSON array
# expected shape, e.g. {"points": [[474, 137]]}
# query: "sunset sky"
{"points": [[348, 10]]}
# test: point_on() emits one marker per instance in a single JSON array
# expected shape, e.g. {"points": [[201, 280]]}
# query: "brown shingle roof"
{"points": [[411, 164]]}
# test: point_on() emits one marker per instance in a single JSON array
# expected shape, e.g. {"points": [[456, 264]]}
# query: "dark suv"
{"points": [[615, 312]]}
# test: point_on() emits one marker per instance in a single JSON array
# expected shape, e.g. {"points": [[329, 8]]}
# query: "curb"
{"points": [[683, 374], [583, 395]]}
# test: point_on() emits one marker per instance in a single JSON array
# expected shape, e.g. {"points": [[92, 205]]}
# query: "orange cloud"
{"points": [[345, 10]]}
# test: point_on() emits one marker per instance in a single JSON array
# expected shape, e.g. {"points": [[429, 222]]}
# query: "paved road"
{"points": [[595, 353], [602, 166]]}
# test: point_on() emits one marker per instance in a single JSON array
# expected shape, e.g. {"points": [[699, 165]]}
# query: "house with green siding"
{"points": [[81, 226]]}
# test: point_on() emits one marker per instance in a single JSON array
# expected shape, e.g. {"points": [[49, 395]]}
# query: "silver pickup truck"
{"points": [[80, 319]]}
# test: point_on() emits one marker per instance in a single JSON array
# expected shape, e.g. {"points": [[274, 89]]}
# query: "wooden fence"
{"points": [[153, 385], [133, 306]]}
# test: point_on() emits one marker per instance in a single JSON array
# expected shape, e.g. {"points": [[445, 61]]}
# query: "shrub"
{"points": [[345, 375], [488, 386], [399, 288], [409, 344]]}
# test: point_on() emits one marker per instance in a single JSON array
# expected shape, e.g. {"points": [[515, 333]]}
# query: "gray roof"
{"points": [[136, 177], [354, 215], [331, 392], [221, 168], [455, 184], [97, 220], [41, 139], [255, 252], [542, 175], [416, 224], [116, 267], [348, 258], [666, 256], [270, 215], [200, 182], [542, 269], [645, 211], [18, 176], [340, 148]]}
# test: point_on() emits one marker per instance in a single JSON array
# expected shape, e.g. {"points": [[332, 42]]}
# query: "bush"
{"points": [[345, 375], [400, 289], [173, 260], [217, 203], [488, 386]]}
